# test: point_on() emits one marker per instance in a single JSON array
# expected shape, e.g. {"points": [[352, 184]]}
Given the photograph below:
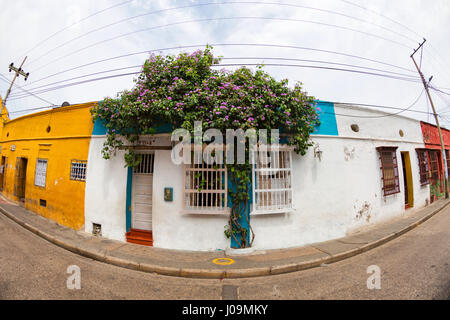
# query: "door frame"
{"points": [[133, 181], [408, 179], [3, 173], [21, 182]]}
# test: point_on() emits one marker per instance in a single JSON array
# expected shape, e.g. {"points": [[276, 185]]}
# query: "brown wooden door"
{"points": [[21, 177], [2, 172]]}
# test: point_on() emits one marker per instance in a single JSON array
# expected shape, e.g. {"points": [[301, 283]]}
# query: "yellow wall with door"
{"points": [[59, 136]]}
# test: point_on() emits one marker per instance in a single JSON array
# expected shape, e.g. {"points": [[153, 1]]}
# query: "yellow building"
{"points": [[44, 160]]}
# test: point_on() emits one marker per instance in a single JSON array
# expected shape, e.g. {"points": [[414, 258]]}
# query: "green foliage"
{"points": [[435, 189], [179, 90]]}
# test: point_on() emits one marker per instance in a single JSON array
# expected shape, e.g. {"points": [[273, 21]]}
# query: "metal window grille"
{"points": [[78, 170], [435, 168], [389, 169], [205, 186], [146, 165], [424, 169], [272, 182], [41, 173]]}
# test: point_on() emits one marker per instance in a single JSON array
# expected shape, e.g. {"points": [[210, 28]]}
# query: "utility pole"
{"points": [[425, 84], [18, 71]]}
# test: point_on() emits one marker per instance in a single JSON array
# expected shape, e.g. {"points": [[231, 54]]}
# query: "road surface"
{"points": [[413, 266]]}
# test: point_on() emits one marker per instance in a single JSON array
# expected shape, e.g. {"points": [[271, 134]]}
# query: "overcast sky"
{"points": [[58, 35]]}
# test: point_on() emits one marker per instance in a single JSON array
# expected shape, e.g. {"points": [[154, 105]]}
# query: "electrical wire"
{"points": [[235, 58], [381, 15], [216, 19], [341, 104], [213, 3], [237, 65], [5, 79], [438, 90], [79, 77], [445, 101], [74, 24], [386, 115], [30, 109], [391, 20], [265, 45]]}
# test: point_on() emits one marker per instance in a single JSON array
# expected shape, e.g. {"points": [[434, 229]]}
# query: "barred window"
{"points": [[435, 166], [78, 170], [389, 169], [146, 165], [205, 187], [272, 182], [424, 170], [41, 173]]}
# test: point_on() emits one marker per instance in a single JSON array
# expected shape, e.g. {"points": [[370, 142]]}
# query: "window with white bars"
{"points": [[78, 170], [272, 182], [205, 187], [146, 165], [41, 173]]}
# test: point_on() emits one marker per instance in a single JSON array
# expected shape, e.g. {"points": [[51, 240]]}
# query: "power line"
{"points": [[390, 19], [218, 19], [223, 3], [437, 68], [379, 106], [237, 64], [85, 81], [342, 104], [381, 15], [30, 109], [5, 79], [438, 55], [83, 76], [235, 58], [386, 115], [436, 89], [75, 23], [278, 46], [445, 101]]}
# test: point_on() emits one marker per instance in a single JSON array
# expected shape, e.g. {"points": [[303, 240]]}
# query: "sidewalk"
{"points": [[200, 264]]}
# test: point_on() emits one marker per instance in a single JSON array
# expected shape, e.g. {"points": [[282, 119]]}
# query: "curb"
{"points": [[217, 273]]}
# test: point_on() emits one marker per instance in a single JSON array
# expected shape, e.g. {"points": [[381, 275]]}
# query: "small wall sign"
{"points": [[13, 147], [168, 194]]}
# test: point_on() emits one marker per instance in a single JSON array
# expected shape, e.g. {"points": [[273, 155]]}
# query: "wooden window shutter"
{"points": [[424, 169], [389, 169]]}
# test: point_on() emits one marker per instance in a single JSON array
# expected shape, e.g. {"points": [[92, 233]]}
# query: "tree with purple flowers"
{"points": [[179, 90]]}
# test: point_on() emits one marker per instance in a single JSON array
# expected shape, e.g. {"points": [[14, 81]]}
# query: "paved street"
{"points": [[413, 266]]}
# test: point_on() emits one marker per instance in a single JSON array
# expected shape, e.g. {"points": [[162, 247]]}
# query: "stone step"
{"points": [[142, 237]]}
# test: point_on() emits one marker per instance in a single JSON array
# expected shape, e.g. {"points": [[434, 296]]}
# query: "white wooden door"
{"points": [[142, 193]]}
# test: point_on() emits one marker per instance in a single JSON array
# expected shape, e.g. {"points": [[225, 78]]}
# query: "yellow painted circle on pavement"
{"points": [[223, 261]]}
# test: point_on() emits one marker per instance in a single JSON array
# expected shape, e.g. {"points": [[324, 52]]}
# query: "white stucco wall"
{"points": [[171, 228], [342, 192], [333, 196], [105, 197], [105, 204]]}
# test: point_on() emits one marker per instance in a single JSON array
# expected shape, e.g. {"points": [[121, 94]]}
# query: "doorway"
{"points": [[21, 178], [141, 201], [2, 173], [407, 180]]}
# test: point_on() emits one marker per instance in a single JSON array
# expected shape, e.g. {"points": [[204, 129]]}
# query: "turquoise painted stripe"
{"points": [[327, 117], [128, 201], [100, 128], [243, 220]]}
